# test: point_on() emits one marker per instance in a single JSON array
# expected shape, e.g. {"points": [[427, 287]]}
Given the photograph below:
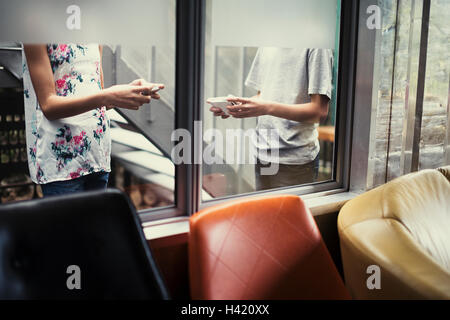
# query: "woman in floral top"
{"points": [[68, 138]]}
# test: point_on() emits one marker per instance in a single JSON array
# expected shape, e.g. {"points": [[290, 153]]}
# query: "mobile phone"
{"points": [[155, 89], [221, 103]]}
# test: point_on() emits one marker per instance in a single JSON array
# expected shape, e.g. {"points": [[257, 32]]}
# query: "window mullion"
{"points": [[421, 84], [189, 83]]}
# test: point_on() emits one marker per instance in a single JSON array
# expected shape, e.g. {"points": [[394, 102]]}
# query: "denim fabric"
{"points": [[93, 181]]}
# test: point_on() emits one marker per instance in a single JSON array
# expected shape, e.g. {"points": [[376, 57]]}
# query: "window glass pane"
{"points": [[15, 183], [270, 57], [396, 88], [435, 126], [266, 23], [140, 139], [387, 111], [141, 163], [86, 21], [406, 56]]}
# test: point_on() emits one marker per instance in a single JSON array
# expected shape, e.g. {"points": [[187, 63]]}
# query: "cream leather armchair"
{"points": [[404, 228]]}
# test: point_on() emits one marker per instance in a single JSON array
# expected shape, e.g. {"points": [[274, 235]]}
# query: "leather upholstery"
{"points": [[263, 248], [445, 171], [404, 228], [97, 231]]}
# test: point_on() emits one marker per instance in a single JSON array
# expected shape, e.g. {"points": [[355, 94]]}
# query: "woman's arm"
{"points": [[56, 107], [314, 111]]}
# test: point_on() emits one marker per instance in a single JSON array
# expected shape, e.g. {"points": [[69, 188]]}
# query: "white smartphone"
{"points": [[155, 89], [221, 103]]}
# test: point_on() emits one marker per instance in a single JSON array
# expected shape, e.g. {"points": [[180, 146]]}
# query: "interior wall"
{"points": [[171, 255], [327, 224]]}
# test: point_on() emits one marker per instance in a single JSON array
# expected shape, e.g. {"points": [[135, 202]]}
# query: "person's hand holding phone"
{"points": [[126, 96], [218, 112], [153, 91], [219, 106], [247, 107], [131, 96]]}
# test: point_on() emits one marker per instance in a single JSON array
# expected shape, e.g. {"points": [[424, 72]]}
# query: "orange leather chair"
{"points": [[263, 248]]}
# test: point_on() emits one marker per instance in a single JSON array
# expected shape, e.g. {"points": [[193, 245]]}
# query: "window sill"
{"points": [[320, 205]]}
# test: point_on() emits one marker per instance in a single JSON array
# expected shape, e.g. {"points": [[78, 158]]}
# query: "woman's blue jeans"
{"points": [[93, 181]]}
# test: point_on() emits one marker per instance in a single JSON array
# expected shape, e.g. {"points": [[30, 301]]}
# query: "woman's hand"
{"points": [[127, 96], [131, 96], [143, 82], [248, 107]]}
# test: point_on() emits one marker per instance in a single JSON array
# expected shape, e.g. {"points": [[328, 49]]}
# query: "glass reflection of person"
{"points": [[67, 128], [294, 89]]}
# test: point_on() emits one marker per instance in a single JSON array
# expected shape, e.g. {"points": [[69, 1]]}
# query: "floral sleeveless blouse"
{"points": [[70, 147]]}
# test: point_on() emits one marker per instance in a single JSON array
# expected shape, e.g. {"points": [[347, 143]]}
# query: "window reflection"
{"points": [[285, 94], [141, 166]]}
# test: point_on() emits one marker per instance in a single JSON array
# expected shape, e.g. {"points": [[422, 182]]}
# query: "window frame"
{"points": [[190, 42], [188, 89]]}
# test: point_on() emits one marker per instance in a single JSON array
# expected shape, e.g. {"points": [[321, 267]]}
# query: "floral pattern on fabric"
{"points": [[67, 147], [34, 132], [86, 168], [102, 124], [97, 71], [66, 84], [64, 149], [58, 54], [40, 174]]}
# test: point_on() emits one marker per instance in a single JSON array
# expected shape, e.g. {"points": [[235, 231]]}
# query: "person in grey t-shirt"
{"points": [[294, 89]]}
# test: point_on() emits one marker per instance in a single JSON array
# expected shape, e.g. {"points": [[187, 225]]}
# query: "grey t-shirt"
{"points": [[289, 76]]}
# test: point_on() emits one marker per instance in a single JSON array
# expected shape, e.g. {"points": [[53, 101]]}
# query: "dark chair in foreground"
{"points": [[99, 232]]}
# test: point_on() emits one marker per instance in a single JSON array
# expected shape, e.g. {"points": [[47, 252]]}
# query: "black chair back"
{"points": [[93, 239]]}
